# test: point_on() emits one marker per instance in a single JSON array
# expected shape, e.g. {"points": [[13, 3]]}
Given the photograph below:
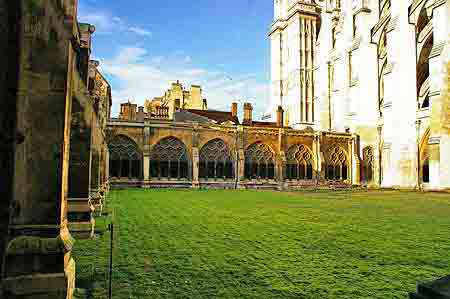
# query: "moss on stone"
{"points": [[34, 245]]}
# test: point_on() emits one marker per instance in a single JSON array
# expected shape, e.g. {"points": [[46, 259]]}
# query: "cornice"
{"points": [[302, 9]]}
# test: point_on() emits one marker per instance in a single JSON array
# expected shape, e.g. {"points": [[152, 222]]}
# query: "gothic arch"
{"points": [[259, 161], [125, 158], [368, 164], [381, 88], [336, 164], [424, 170], [216, 160], [169, 159], [425, 41], [299, 162]]}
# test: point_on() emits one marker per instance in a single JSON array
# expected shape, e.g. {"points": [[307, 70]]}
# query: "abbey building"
{"points": [[377, 69]]}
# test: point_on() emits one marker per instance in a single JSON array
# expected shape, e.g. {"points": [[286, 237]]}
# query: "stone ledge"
{"points": [[35, 284]]}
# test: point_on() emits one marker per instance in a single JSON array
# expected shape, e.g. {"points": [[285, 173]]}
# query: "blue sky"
{"points": [[144, 45]]}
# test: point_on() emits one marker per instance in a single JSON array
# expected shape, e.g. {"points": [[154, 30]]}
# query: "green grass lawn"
{"points": [[249, 244]]}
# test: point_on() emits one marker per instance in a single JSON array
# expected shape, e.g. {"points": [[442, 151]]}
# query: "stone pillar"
{"points": [[356, 167], [146, 167], [82, 154], [195, 165], [38, 262], [241, 168], [317, 157]]}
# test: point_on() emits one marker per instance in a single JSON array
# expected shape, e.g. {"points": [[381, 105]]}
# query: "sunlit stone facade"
{"points": [[375, 68]]}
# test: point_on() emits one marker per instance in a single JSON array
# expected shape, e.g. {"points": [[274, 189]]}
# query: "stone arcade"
{"points": [[54, 157]]}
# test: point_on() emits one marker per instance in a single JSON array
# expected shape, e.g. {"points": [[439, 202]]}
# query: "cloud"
{"points": [[107, 23], [140, 31], [136, 75]]}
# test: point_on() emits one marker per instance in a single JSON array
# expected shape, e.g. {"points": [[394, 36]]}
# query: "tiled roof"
{"points": [[217, 116]]}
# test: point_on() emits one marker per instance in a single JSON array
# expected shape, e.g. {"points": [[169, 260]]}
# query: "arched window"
{"points": [[216, 161], [422, 21], [381, 91], [385, 6], [426, 171], [423, 72], [125, 158], [336, 167], [367, 165], [259, 162], [299, 164], [169, 159]]}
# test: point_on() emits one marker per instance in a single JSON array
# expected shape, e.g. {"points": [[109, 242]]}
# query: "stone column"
{"points": [[195, 165], [317, 158], [241, 169], [38, 262], [146, 167], [81, 173], [356, 167]]}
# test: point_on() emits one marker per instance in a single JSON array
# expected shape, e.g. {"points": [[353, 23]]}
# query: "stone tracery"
{"points": [[169, 159], [299, 163], [215, 160], [125, 158], [259, 162]]}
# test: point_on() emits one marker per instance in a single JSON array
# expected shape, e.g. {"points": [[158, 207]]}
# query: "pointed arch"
{"points": [[259, 161], [337, 164], [299, 162], [125, 158], [368, 165], [216, 161], [424, 172], [169, 159]]}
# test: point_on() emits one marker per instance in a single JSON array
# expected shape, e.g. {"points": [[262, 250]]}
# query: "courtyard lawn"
{"points": [[268, 245]]}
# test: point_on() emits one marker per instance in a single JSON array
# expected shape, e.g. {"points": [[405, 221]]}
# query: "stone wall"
{"points": [[8, 60]]}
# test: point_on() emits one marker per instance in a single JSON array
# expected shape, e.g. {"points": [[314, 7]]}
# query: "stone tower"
{"points": [[293, 37]]}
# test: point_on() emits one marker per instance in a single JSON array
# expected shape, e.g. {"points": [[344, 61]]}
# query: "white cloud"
{"points": [[139, 76], [140, 31], [106, 23]]}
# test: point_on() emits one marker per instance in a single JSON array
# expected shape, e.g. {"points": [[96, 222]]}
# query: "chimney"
{"points": [[248, 111], [234, 109], [280, 116], [140, 114]]}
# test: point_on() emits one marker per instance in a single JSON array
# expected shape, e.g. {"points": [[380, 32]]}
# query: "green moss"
{"points": [[35, 245]]}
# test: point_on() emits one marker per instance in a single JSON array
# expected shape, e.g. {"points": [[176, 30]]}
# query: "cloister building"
{"points": [[208, 148]]}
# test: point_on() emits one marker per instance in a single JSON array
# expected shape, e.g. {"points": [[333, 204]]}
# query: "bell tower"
{"points": [[293, 37]]}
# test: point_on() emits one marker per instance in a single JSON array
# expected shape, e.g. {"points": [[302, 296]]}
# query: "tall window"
{"points": [[299, 163], [426, 171], [216, 161], [125, 158], [336, 167], [169, 160], [425, 44], [385, 6], [333, 37], [259, 162], [368, 163]]}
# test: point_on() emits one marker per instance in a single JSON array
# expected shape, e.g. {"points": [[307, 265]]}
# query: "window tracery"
{"points": [[169, 159], [259, 162], [299, 164], [216, 161], [125, 158], [336, 167]]}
